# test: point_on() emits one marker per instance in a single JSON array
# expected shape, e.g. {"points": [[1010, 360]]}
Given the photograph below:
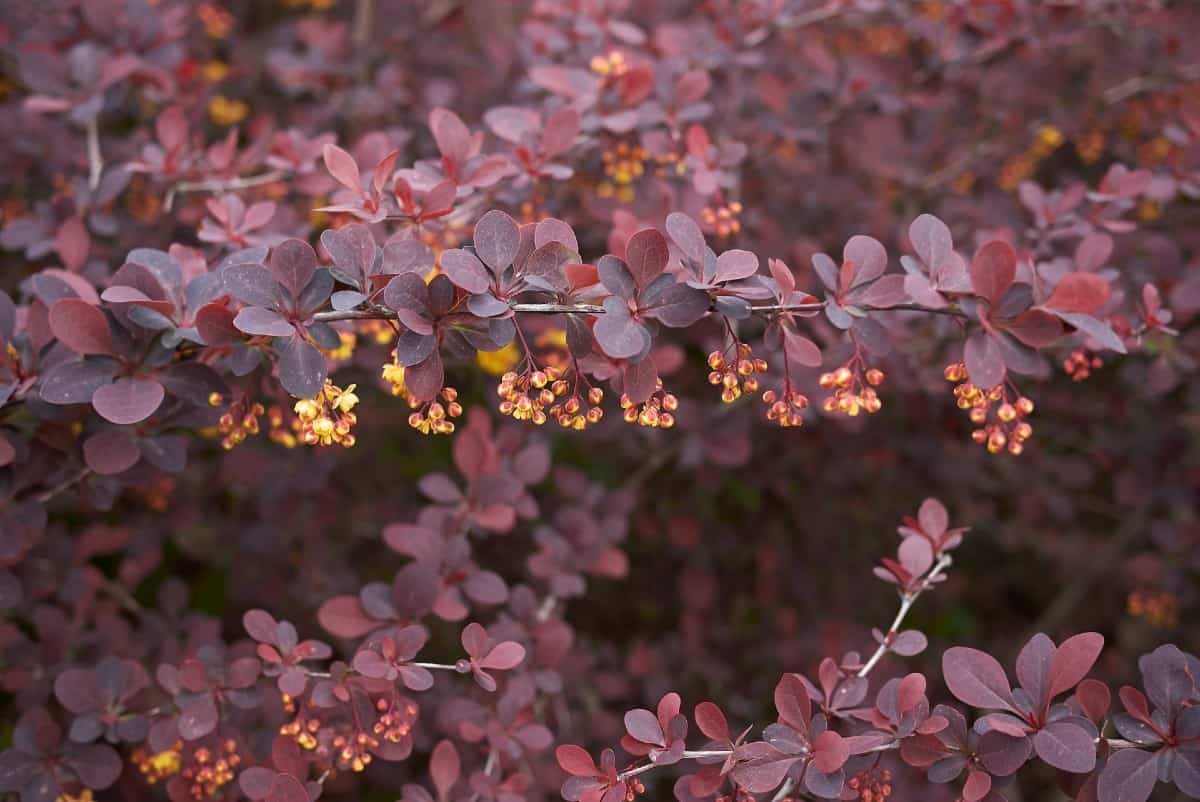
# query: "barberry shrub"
{"points": [[608, 249]]}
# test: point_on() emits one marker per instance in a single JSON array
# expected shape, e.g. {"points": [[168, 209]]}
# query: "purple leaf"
{"points": [[263, 322], [985, 362], [931, 240], [197, 719], [465, 270], [301, 368], [128, 400], [618, 333], [736, 264], [497, 238], [1066, 746], [642, 725], [1129, 776], [646, 254], [976, 678]]}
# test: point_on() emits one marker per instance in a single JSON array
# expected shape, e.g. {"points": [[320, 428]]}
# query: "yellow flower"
{"points": [[497, 363], [223, 111]]}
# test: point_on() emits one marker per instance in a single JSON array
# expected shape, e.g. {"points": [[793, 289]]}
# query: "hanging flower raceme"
{"points": [[328, 418]]}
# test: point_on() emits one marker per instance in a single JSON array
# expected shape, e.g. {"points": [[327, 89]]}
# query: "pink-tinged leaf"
{"points": [[383, 171], [575, 760], [497, 239], [977, 786], [444, 767], [993, 270], [1096, 329], [639, 380], [1036, 328], [619, 335], [262, 322], [260, 625], [736, 264], [1093, 251], [763, 774], [888, 291], [342, 167], [712, 722], [504, 656], [801, 350], [1073, 660], [687, 235], [984, 360], [465, 270], [916, 555], [642, 725], [931, 240], [1129, 776], [128, 400], [344, 617], [792, 702], [451, 134], [1066, 746], [110, 452], [80, 326], [830, 752], [256, 782], [647, 255], [560, 131], [1079, 292], [933, 517], [868, 257], [568, 82], [779, 271], [976, 678], [197, 719], [72, 243], [287, 789]]}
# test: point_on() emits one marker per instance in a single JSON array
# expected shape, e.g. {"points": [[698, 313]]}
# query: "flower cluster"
{"points": [[436, 416], [853, 389], [328, 418], [1001, 422], [656, 412], [737, 377]]}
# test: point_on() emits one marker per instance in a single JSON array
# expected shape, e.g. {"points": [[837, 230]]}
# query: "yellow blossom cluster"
{"points": [[328, 418]]}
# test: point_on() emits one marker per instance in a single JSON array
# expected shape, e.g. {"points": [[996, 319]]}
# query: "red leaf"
{"points": [[344, 617], [576, 761], [72, 243], [342, 167], [711, 721], [1080, 292], [993, 270], [80, 326], [444, 767], [1073, 660]]}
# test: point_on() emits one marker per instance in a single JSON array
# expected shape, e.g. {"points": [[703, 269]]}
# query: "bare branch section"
{"points": [[381, 313]]}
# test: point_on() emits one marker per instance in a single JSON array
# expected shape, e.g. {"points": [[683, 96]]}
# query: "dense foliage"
{"points": [[610, 249]]}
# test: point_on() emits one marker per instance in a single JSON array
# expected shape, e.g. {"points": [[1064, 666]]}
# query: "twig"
{"points": [[95, 158], [222, 185], [381, 313], [906, 603], [364, 16], [67, 484]]}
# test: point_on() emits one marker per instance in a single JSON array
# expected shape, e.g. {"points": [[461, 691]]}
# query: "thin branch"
{"points": [[381, 313], [63, 486], [95, 158], [223, 185], [906, 603]]}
